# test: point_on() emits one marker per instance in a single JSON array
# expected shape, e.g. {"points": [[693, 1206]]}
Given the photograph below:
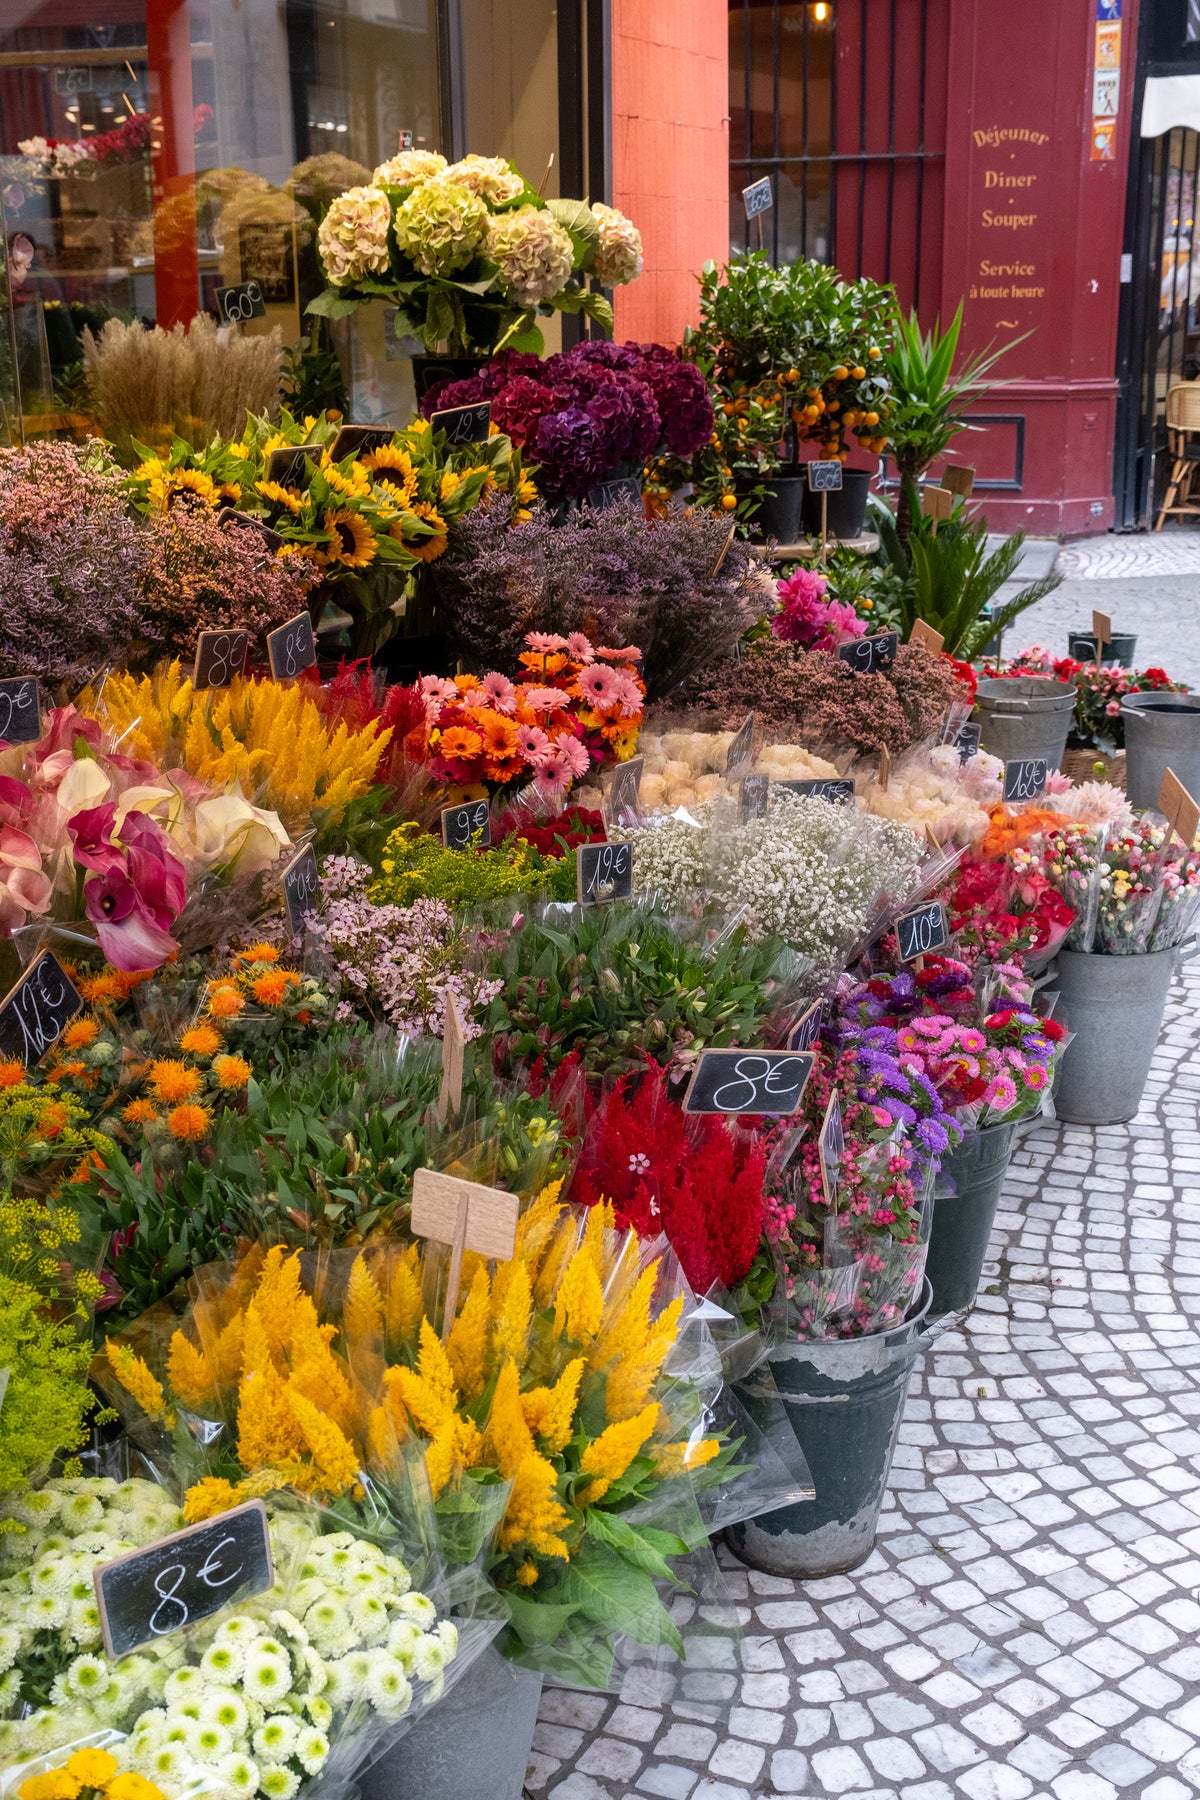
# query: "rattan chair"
{"points": [[1183, 423]]}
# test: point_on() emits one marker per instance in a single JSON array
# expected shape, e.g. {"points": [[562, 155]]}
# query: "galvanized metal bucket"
{"points": [[473, 1745], [965, 1197]]}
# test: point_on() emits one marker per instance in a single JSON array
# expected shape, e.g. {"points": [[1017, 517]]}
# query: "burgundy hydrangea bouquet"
{"points": [[590, 413]]}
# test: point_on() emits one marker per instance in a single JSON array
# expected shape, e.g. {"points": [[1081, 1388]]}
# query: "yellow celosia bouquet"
{"points": [[268, 738], [548, 1423]]}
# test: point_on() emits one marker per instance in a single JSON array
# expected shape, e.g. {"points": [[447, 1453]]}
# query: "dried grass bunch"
{"points": [[198, 381]]}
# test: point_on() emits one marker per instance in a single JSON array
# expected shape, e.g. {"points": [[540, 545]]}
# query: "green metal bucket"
{"points": [[843, 1401], [966, 1195]]}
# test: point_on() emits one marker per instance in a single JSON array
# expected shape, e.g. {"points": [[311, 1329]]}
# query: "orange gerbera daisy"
{"points": [[259, 953], [12, 1073], [270, 988], [173, 1080], [139, 1112], [224, 1001], [189, 1123], [201, 1040], [499, 734], [232, 1071], [544, 665], [79, 1034], [459, 744]]}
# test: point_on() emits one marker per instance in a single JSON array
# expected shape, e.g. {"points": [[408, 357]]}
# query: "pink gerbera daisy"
{"points": [[533, 744], [580, 648], [554, 776], [629, 695], [599, 687], [500, 691], [544, 699], [576, 753], [631, 654], [545, 643]]}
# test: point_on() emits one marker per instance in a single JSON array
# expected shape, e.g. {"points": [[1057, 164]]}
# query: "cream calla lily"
{"points": [[229, 831], [84, 785]]}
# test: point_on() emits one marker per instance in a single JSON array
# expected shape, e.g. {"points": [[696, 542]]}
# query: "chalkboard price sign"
{"points": [[292, 647], [241, 521], [753, 795], [807, 1029], [922, 929], [288, 466], [301, 885], [605, 873], [1025, 779], [184, 1578], [839, 791], [867, 654], [359, 440], [968, 740], [824, 477], [831, 1147], [757, 198], [237, 304], [467, 827], [35, 1013], [611, 493], [748, 1081], [741, 748], [625, 789], [464, 424], [20, 710], [220, 656]]}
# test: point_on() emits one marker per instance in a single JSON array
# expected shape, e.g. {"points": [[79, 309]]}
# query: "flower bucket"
{"points": [[1162, 731], [847, 507], [966, 1194], [1025, 716], [779, 515], [843, 1400], [1081, 647], [1115, 1007], [473, 1745]]}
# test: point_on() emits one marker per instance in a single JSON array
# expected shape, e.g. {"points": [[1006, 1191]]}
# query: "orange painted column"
{"points": [[172, 162], [670, 153]]}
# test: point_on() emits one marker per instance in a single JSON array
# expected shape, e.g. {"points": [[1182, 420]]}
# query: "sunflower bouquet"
{"points": [[561, 1404]]}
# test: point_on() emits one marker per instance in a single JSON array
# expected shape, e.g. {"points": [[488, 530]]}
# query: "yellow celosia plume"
{"points": [[550, 1411], [191, 1379], [362, 1314], [467, 1344], [608, 1456]]}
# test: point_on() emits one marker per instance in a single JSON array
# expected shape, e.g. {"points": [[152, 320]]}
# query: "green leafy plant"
{"points": [[954, 579], [928, 398]]}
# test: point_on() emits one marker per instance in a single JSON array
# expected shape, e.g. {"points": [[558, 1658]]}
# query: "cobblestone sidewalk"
{"points": [[1028, 1624]]}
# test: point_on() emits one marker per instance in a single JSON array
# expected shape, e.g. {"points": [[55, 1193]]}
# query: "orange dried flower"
{"points": [[232, 1071], [173, 1081], [224, 1001], [104, 986], [140, 1112], [259, 953], [12, 1073], [79, 1034], [54, 1119], [270, 988], [189, 1122]]}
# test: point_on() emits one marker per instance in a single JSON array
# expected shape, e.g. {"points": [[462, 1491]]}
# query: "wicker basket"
{"points": [[1095, 765]]}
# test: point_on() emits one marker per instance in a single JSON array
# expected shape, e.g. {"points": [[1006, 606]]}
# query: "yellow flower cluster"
{"points": [[267, 737], [88, 1771]]}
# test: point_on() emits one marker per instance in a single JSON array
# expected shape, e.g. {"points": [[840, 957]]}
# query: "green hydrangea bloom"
{"points": [[441, 226]]}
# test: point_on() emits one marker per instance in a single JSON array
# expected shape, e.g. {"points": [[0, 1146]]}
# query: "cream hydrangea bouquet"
{"points": [[468, 252]]}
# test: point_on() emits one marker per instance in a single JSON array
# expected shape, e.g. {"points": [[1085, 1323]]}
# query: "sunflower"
{"points": [[230, 490], [271, 490], [427, 549], [352, 542], [276, 441], [191, 481], [525, 496], [354, 486], [391, 456], [450, 481]]}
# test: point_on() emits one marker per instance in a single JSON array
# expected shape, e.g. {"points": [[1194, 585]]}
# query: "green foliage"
{"points": [[414, 864], [311, 377], [757, 320], [954, 579]]}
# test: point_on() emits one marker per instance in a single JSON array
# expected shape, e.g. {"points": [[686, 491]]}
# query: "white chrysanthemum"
{"points": [[82, 1512], [223, 1660], [184, 1685], [33, 1508], [307, 1594], [167, 1762], [447, 1634], [268, 1674], [114, 1701], [533, 253], [489, 176], [429, 1657], [312, 1748], [10, 1644], [238, 1630], [352, 238], [326, 1621], [211, 1742], [618, 255], [279, 1783], [408, 167], [238, 1773], [419, 1609], [84, 1622], [343, 1689], [224, 1706], [370, 1617], [46, 1613], [401, 1579], [52, 1575], [402, 1640], [320, 1712], [388, 1687], [275, 1738]]}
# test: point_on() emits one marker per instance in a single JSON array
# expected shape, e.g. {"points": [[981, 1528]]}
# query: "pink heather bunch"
{"points": [[807, 618]]}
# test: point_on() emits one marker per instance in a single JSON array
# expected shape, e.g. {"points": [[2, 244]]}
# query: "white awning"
{"points": [[1170, 100]]}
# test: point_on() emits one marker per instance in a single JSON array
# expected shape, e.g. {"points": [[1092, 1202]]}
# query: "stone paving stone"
{"points": [[1028, 1626]]}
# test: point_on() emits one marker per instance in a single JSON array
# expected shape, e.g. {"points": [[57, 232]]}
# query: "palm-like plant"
{"points": [[954, 579], [928, 397]]}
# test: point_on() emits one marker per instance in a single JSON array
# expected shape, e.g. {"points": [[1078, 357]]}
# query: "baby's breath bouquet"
{"points": [[809, 872], [307, 1679], [468, 252]]}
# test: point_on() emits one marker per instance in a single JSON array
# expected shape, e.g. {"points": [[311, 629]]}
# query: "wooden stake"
{"points": [[454, 1277], [546, 177], [824, 523], [453, 1046]]}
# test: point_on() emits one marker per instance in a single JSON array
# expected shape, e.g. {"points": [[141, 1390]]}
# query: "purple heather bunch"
{"points": [[72, 563], [397, 961]]}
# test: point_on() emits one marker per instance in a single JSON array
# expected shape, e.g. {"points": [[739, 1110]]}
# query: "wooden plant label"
{"points": [[467, 1216], [937, 503], [723, 552], [731, 1082], [35, 1013], [885, 767], [1178, 808], [1102, 632], [181, 1579], [927, 637], [453, 1051], [959, 478]]}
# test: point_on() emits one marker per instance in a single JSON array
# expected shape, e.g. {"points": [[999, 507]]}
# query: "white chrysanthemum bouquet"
{"points": [[469, 251]]}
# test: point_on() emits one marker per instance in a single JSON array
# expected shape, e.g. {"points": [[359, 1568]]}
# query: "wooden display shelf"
{"points": [[866, 545]]}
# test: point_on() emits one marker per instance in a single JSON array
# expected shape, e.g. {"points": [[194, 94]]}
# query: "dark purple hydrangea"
{"points": [[519, 405], [625, 414], [569, 453], [684, 404], [626, 357], [464, 392]]}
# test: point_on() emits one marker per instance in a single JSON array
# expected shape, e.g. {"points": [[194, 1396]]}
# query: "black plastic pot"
{"points": [[847, 506], [843, 1400], [779, 515], [430, 369], [966, 1196], [1081, 646]]}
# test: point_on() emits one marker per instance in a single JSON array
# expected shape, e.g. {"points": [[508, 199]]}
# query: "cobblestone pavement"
{"points": [[1174, 552], [1028, 1625], [1164, 611]]}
